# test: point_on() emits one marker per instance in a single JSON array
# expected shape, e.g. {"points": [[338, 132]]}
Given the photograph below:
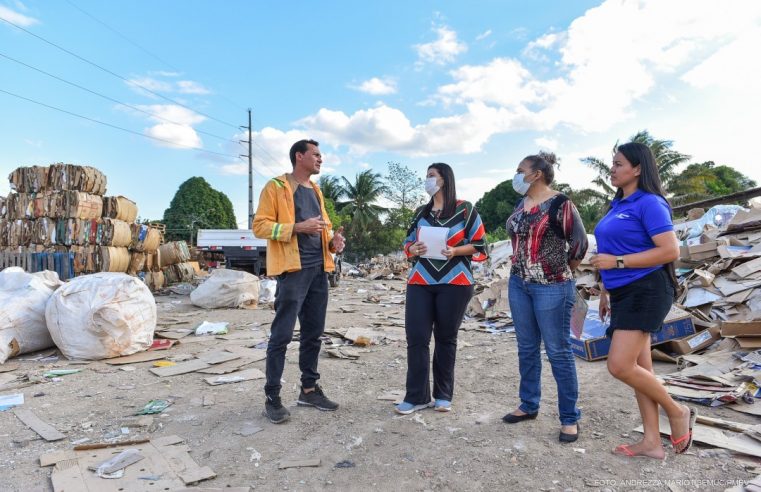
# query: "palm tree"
{"points": [[667, 159], [367, 188], [331, 187]]}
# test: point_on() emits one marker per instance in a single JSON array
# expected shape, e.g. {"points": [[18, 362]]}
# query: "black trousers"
{"points": [[302, 294], [436, 309]]}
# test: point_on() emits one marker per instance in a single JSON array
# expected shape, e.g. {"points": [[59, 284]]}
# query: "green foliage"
{"points": [[498, 234], [361, 196], [331, 187], [403, 186], [196, 205], [336, 218], [706, 180], [497, 205]]}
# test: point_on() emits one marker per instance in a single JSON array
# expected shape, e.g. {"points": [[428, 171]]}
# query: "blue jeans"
{"points": [[543, 312]]}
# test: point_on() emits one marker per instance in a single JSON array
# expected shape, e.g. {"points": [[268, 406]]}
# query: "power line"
{"points": [[115, 126], [111, 98], [130, 82], [142, 48]]}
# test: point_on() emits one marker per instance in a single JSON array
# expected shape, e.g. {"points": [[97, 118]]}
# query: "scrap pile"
{"points": [[388, 267], [61, 208]]}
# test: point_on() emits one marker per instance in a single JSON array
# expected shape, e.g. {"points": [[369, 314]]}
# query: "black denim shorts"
{"points": [[643, 304]]}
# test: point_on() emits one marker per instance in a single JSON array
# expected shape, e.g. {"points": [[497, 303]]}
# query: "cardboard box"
{"points": [[741, 329], [693, 343], [594, 345]]}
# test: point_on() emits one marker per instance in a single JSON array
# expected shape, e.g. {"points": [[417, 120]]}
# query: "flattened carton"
{"points": [[594, 345]]}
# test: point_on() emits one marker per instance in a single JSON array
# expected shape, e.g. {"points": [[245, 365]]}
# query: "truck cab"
{"points": [[236, 249]]}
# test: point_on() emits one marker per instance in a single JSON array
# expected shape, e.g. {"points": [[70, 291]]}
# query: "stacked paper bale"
{"points": [[62, 208], [173, 260]]}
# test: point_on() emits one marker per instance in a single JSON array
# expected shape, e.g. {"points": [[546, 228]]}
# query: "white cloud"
{"points": [[176, 136], [365, 165], [442, 51], [191, 87], [483, 35], [156, 85], [377, 86], [16, 17], [180, 133], [546, 143]]}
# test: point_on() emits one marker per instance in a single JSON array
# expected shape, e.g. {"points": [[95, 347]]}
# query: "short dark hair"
{"points": [[301, 147], [545, 162]]}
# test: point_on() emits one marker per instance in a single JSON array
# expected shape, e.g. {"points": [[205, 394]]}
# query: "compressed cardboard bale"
{"points": [[20, 233], [155, 280], [119, 207], [145, 238], [173, 252], [114, 259], [44, 232], [178, 273], [136, 263], [101, 316], [115, 233], [65, 177], [23, 297], [31, 179], [81, 205]]}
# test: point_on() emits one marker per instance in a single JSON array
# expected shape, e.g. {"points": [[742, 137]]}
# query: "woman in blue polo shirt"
{"points": [[636, 248]]}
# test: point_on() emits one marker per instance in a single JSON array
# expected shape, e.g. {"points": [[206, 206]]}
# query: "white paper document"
{"points": [[435, 240]]}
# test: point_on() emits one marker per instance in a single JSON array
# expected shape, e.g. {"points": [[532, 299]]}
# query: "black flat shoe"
{"points": [[514, 419], [563, 437]]}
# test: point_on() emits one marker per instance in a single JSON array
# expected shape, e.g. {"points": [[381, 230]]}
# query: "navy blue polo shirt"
{"points": [[629, 228]]}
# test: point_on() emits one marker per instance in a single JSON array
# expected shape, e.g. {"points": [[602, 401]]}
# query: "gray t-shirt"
{"points": [[310, 245]]}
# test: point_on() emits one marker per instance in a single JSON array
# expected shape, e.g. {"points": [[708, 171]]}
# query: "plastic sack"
{"points": [[227, 288], [267, 290], [101, 316], [718, 216], [23, 297]]}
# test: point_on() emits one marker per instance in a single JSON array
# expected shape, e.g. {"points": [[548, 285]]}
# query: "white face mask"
{"points": [[431, 185], [519, 185]]}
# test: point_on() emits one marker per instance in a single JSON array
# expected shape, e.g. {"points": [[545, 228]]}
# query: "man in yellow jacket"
{"points": [[292, 217]]}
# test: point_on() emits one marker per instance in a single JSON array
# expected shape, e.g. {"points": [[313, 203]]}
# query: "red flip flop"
{"points": [[624, 450], [687, 437]]}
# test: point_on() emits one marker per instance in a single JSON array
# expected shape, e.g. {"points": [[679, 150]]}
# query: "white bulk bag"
{"points": [[227, 288], [23, 297], [101, 316]]}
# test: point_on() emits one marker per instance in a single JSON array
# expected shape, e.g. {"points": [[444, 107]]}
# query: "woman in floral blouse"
{"points": [[549, 241]]}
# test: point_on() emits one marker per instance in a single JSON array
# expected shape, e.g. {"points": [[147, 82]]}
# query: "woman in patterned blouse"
{"points": [[438, 290], [549, 242]]}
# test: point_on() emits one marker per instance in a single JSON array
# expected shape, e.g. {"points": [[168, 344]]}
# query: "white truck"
{"points": [[237, 249]]}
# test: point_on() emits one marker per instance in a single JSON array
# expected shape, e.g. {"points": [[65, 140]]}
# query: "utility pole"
{"points": [[250, 173]]}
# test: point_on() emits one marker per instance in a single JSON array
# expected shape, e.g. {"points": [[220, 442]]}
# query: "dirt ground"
{"points": [[467, 449]]}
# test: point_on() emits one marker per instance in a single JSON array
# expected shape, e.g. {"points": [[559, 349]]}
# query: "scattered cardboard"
{"points": [[162, 457], [693, 343], [9, 366], [299, 463], [218, 356], [704, 434], [741, 329], [45, 430], [236, 377], [230, 366], [135, 358], [181, 368]]}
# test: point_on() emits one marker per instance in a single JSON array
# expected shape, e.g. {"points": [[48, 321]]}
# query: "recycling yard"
{"points": [[362, 445]]}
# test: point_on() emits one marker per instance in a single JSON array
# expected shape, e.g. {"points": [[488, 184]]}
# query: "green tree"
{"points": [[403, 186], [196, 205], [362, 196], [701, 181], [331, 188], [497, 204], [591, 204], [667, 159]]}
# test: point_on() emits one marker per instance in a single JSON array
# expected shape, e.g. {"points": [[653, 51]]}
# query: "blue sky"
{"points": [[476, 84]]}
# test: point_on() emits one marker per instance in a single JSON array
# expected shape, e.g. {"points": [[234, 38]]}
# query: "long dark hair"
{"points": [[448, 189], [649, 181]]}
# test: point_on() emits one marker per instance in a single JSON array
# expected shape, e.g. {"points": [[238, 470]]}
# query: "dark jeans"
{"points": [[303, 294], [436, 309], [543, 313]]}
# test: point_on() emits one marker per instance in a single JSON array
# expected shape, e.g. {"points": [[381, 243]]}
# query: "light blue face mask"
{"points": [[519, 184]]}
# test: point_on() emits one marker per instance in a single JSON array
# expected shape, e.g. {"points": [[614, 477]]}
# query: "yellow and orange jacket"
{"points": [[274, 221]]}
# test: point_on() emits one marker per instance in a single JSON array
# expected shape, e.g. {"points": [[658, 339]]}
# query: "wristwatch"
{"points": [[620, 262]]}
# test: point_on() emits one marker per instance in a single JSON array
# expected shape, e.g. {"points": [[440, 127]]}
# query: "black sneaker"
{"points": [[316, 399], [275, 411]]}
